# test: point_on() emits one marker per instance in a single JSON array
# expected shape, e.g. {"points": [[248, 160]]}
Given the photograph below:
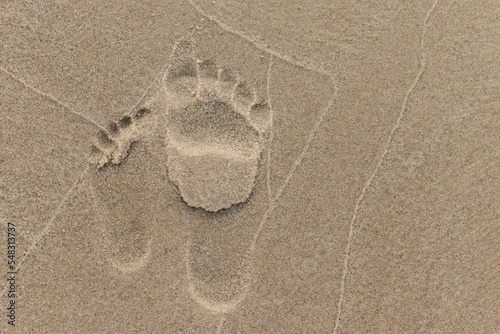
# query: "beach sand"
{"points": [[250, 167]]}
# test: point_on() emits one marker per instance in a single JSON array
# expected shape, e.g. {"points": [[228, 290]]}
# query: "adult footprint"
{"points": [[215, 135], [124, 191]]}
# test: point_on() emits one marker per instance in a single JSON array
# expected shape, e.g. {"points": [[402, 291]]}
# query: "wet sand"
{"points": [[251, 167]]}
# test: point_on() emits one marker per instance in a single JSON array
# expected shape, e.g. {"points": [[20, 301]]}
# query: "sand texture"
{"points": [[250, 166]]}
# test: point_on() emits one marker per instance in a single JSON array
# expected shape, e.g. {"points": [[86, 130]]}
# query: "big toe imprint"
{"points": [[215, 129], [125, 193]]}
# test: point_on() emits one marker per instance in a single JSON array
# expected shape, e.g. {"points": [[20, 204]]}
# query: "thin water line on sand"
{"points": [[271, 132], [357, 206], [157, 79], [257, 44], [311, 138], [274, 203], [80, 181], [51, 98]]}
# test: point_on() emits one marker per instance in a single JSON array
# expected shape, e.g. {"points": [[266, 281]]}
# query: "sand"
{"points": [[250, 167]]}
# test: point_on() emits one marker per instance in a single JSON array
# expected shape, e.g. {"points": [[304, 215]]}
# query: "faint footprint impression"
{"points": [[124, 191], [216, 130]]}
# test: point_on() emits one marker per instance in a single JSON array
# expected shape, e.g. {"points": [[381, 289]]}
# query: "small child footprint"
{"points": [[123, 187], [215, 128]]}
